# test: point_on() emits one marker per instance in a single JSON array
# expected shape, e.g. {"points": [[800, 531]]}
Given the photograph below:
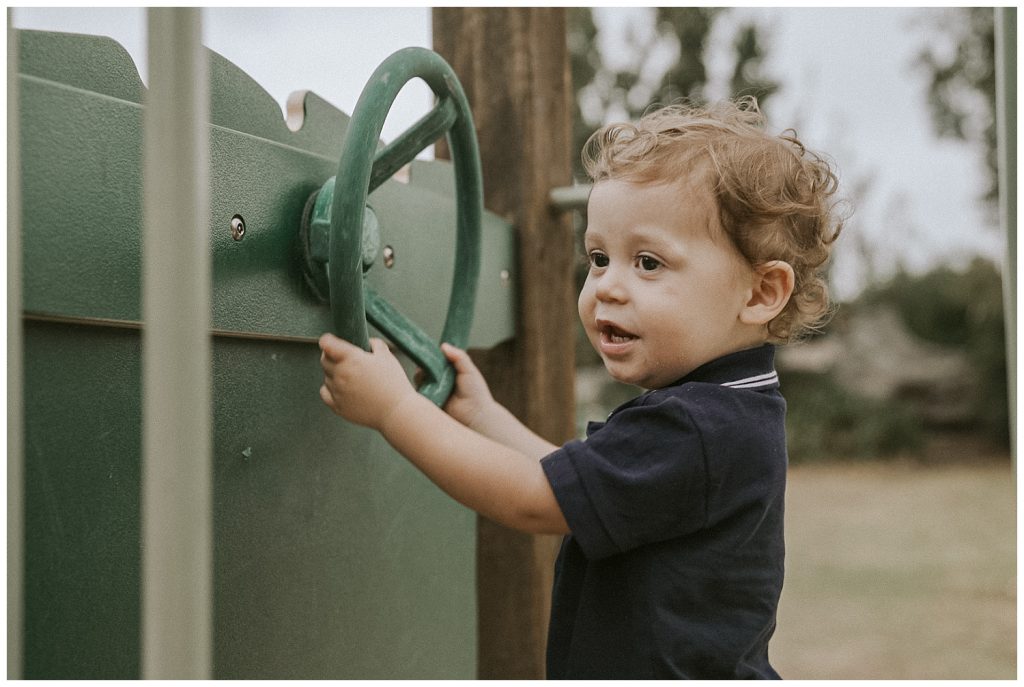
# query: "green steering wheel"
{"points": [[338, 229]]}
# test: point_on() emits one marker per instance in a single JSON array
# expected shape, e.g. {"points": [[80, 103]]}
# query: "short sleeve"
{"points": [[638, 479]]}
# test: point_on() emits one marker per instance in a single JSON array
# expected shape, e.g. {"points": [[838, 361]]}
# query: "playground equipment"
{"points": [[332, 557]]}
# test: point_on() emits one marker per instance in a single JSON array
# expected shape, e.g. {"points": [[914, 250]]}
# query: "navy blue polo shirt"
{"points": [[675, 562]]}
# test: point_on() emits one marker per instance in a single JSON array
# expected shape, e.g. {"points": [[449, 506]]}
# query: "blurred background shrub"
{"points": [[944, 364]]}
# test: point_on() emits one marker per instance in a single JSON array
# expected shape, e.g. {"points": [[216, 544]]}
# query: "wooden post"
{"points": [[513, 63]]}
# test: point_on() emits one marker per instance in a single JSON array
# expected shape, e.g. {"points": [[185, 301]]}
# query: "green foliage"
{"points": [[747, 78], [963, 309], [632, 90], [945, 305], [826, 422], [956, 308], [584, 62], [688, 27], [962, 90]]}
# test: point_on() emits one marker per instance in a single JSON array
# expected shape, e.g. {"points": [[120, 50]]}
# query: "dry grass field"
{"points": [[897, 571]]}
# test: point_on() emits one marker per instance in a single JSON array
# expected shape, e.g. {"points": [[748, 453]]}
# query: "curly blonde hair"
{"points": [[774, 196]]}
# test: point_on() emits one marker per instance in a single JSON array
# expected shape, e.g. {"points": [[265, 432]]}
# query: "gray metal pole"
{"points": [[1006, 122], [569, 198], [177, 522], [15, 397]]}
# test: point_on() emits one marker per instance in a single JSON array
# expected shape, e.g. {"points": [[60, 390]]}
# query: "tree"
{"points": [[747, 78], [647, 80], [688, 27], [585, 62], [962, 90], [959, 309]]}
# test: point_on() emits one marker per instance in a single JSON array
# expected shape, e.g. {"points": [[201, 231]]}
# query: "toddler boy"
{"points": [[705, 240]]}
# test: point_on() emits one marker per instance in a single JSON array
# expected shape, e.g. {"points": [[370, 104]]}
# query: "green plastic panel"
{"points": [[82, 189], [334, 558]]}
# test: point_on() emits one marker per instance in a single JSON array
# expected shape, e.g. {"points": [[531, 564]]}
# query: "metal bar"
{"points": [[568, 198], [15, 397], [1006, 123], [177, 521]]}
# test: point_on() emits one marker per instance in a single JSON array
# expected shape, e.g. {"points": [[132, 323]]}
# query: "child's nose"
{"points": [[611, 287]]}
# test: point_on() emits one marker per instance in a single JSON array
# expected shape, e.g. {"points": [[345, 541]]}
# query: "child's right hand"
{"points": [[471, 395]]}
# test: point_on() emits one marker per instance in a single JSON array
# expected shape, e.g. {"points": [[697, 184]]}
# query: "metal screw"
{"points": [[506, 277], [237, 227], [389, 257]]}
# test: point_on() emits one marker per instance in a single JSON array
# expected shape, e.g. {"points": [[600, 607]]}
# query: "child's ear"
{"points": [[772, 286]]}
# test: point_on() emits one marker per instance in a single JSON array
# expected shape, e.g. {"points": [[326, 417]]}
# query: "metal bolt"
{"points": [[506, 277], [237, 227], [389, 257]]}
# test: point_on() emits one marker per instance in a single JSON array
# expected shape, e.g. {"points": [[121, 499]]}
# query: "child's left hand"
{"points": [[360, 386]]}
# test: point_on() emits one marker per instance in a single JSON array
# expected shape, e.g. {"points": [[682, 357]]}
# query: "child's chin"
{"points": [[623, 376]]}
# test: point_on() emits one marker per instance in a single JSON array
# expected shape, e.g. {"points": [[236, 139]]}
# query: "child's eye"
{"points": [[647, 263], [598, 259]]}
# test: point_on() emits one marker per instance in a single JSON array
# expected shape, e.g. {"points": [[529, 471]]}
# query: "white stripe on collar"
{"points": [[767, 379]]}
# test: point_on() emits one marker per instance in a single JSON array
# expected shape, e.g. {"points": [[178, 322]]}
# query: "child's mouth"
{"points": [[613, 336]]}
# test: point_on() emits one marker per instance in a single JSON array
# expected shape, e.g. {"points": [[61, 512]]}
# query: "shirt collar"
{"points": [[752, 368]]}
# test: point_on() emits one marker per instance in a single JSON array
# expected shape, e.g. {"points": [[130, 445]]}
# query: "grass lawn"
{"points": [[896, 571]]}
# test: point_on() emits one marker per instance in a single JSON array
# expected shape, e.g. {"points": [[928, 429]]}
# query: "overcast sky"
{"points": [[848, 88]]}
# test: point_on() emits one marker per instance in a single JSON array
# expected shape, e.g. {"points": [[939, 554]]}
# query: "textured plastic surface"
{"points": [[83, 208], [333, 557]]}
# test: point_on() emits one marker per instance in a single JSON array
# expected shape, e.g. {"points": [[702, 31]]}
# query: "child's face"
{"points": [[662, 296]]}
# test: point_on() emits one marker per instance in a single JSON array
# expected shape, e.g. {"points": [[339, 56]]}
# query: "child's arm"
{"points": [[472, 404], [500, 482]]}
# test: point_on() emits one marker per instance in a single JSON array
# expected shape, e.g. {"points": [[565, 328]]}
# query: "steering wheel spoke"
{"points": [[412, 341], [411, 142]]}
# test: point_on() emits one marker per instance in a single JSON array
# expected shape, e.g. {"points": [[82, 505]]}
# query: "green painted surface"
{"points": [[333, 557], [83, 209], [82, 444]]}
